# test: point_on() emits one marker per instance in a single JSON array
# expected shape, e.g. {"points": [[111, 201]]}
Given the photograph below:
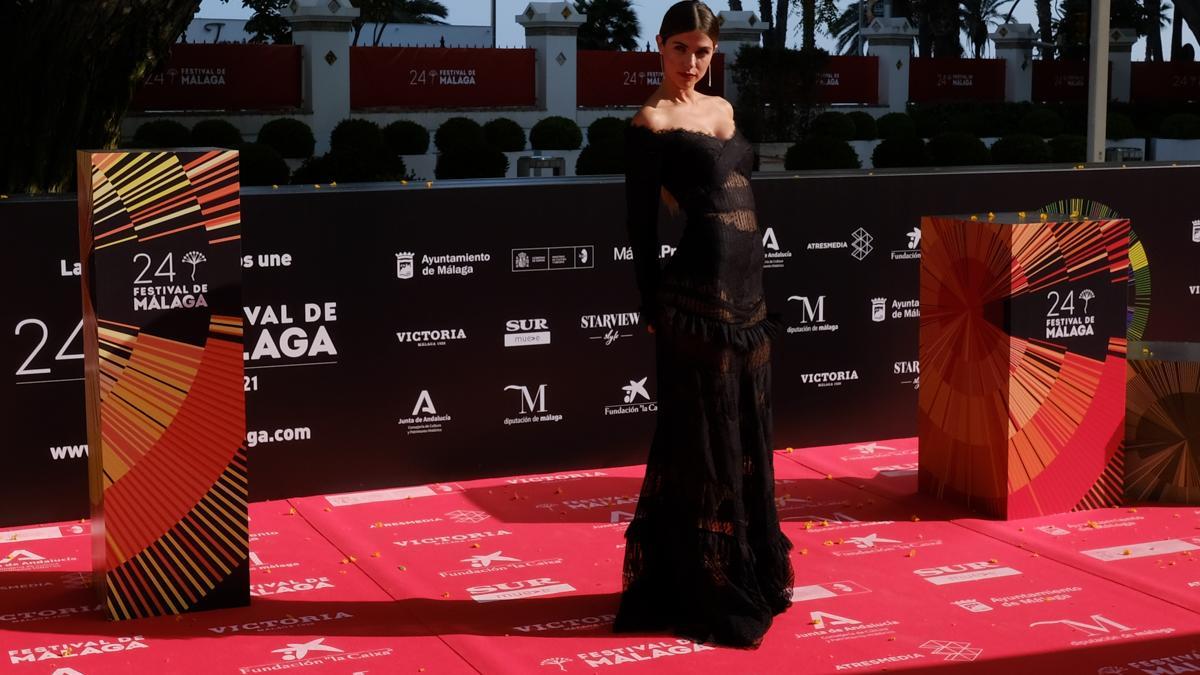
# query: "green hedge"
{"points": [[161, 134], [556, 133], [480, 161], [900, 151], [456, 133], [821, 152], [260, 164], [406, 137], [865, 127], [1020, 148], [1068, 148], [215, 133], [833, 125], [896, 125], [504, 134], [957, 148], [1184, 126], [291, 138]]}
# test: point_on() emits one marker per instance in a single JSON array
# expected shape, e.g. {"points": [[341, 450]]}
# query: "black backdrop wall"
{"points": [[399, 336]]}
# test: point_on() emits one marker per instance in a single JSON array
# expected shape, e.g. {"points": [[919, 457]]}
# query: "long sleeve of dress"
{"points": [[643, 181]]}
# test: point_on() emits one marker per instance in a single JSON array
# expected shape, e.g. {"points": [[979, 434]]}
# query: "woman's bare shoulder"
{"points": [[650, 116]]}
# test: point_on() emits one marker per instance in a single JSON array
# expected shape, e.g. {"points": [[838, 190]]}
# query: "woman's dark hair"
{"points": [[687, 16]]}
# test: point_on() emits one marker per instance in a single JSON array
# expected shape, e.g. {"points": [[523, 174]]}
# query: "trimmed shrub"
{"points": [[161, 134], [833, 125], [356, 153], [350, 164], [600, 158], [406, 137], [291, 138], [1120, 126], [504, 134], [896, 125], [1180, 125], [216, 133], [1068, 148], [821, 152], [458, 132], [900, 151], [957, 148], [260, 164], [357, 133], [865, 128], [556, 133], [607, 130], [1020, 148], [1042, 122], [480, 161]]}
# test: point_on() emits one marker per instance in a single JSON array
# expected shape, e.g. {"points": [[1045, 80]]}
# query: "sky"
{"points": [[510, 34]]}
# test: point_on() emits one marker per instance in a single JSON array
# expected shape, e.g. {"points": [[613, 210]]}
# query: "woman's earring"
{"points": [[710, 75]]}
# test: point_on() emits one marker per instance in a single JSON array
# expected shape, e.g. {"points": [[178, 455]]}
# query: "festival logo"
{"points": [[89, 647], [286, 586], [290, 334], [1070, 315], [630, 654], [152, 294]]}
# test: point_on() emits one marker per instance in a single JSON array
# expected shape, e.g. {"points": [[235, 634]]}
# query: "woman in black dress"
{"points": [[704, 557]]}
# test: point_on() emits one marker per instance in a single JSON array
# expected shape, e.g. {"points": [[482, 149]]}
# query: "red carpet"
{"points": [[521, 575]]}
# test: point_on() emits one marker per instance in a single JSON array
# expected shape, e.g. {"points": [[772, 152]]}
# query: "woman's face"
{"points": [[686, 57]]}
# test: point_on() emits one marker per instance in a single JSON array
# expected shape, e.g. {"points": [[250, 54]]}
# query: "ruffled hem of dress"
{"points": [[738, 336]]}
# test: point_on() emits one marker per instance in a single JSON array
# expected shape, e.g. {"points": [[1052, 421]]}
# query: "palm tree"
{"points": [[939, 23], [978, 17], [611, 25], [385, 12], [1045, 29], [845, 29], [816, 13], [765, 13]]}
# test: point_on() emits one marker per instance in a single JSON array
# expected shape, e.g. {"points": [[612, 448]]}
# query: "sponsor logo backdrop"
{"points": [[397, 337]]}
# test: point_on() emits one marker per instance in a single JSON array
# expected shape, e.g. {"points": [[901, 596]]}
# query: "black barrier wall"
{"points": [[399, 336]]}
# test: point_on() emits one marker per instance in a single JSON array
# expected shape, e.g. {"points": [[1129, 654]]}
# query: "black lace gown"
{"points": [[704, 557]]}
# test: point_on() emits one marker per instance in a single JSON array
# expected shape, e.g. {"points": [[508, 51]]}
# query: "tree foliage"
{"points": [[609, 25], [70, 72]]}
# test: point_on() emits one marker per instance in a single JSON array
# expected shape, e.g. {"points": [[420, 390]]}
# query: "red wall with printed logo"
{"points": [[441, 77], [628, 78], [224, 77], [1170, 81], [849, 79], [932, 80]]}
